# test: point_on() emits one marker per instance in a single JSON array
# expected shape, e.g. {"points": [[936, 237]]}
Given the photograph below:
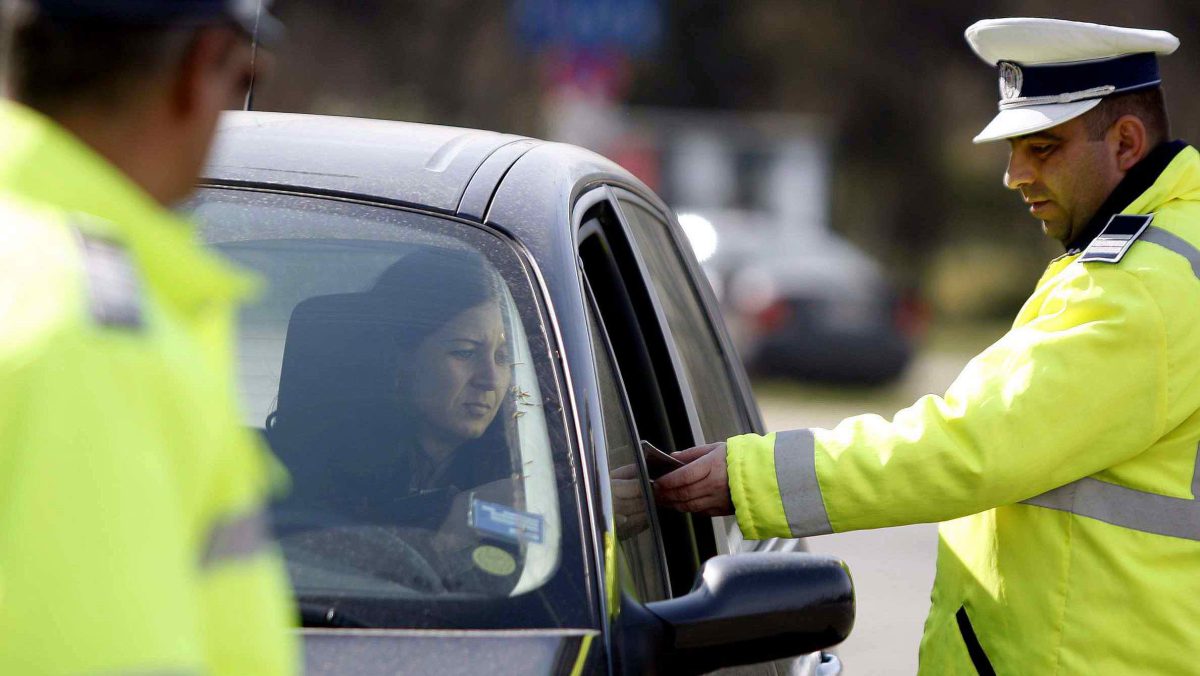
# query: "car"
{"points": [[463, 340], [803, 304]]}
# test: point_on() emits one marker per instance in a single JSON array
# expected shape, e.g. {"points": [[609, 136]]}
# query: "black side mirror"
{"points": [[752, 608]]}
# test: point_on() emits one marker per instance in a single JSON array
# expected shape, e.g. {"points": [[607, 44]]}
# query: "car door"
{"points": [[627, 278]]}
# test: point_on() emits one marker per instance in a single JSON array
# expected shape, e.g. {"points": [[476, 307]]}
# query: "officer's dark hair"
{"points": [[49, 64], [1149, 105]]}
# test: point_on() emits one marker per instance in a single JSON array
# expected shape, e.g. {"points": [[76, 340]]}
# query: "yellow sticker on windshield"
{"points": [[493, 560]]}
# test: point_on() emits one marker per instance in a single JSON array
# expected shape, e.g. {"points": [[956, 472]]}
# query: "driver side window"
{"points": [[638, 553]]}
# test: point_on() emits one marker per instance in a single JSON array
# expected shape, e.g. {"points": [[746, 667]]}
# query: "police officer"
{"points": [[1064, 461], [132, 534]]}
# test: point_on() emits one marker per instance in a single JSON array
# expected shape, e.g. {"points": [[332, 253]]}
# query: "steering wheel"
{"points": [[288, 520], [377, 551]]}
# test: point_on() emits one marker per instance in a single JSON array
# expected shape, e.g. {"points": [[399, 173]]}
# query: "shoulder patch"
{"points": [[114, 292], [1115, 239]]}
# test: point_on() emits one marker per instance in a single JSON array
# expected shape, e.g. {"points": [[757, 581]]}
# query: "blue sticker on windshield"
{"points": [[507, 523]]}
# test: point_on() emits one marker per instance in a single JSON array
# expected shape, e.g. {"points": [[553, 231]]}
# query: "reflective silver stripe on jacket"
{"points": [[1127, 507], [114, 295], [240, 537], [796, 476], [1174, 243], [148, 672]]}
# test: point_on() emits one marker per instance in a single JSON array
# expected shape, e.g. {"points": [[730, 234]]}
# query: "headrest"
{"points": [[340, 351]]}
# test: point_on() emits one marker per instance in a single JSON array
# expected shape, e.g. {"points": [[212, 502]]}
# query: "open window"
{"points": [[640, 557], [661, 404], [718, 403]]}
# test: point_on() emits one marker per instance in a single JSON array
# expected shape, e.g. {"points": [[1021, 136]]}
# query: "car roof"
{"points": [[419, 164], [519, 185]]}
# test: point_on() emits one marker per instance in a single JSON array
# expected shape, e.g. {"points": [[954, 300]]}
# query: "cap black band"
{"points": [[1122, 73]]}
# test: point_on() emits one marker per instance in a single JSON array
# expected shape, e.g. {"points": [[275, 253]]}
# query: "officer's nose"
{"points": [[1019, 172]]}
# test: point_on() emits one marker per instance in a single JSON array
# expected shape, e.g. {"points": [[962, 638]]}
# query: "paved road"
{"points": [[892, 567]]}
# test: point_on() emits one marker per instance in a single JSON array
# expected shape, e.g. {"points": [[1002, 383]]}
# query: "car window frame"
{"points": [[692, 312], [751, 416], [595, 318], [696, 432], [725, 530], [705, 537]]}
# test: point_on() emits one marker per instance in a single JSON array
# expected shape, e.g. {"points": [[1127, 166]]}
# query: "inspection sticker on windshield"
{"points": [[505, 522]]}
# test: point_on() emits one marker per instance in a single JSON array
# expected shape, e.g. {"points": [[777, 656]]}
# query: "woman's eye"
{"points": [[463, 354]]}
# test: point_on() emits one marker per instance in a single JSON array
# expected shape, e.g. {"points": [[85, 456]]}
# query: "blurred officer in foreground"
{"points": [[132, 532], [1064, 458]]}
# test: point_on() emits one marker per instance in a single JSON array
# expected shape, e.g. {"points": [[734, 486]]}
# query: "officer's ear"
{"points": [[214, 72], [1129, 141]]}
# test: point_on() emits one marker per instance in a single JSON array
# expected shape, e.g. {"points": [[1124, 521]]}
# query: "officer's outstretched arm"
{"points": [[1077, 389]]}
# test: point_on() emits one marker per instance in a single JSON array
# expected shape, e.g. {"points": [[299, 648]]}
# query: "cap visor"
{"points": [[1021, 121]]}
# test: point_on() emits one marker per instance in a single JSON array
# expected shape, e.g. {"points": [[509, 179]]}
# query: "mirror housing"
{"points": [[750, 608]]}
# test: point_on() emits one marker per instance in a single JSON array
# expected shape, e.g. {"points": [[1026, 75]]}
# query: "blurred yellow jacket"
{"points": [[1063, 461], [132, 526]]}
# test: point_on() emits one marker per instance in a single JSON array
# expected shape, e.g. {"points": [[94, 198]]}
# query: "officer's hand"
{"points": [[702, 485]]}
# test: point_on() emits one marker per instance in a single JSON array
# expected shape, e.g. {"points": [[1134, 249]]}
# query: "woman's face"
{"points": [[461, 374]]}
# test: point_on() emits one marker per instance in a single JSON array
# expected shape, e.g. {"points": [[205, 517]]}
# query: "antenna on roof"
{"points": [[253, 57]]}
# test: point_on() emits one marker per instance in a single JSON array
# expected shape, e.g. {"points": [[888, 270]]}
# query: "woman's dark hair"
{"points": [[344, 351], [426, 289]]}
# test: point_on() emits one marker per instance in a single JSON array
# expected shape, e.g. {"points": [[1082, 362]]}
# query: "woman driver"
{"points": [[393, 401], [454, 369]]}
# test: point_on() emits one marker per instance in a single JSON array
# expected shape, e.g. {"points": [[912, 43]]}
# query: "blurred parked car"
{"points": [[805, 305], [463, 338]]}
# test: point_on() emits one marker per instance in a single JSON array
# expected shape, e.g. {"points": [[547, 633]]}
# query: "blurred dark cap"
{"points": [[250, 15]]}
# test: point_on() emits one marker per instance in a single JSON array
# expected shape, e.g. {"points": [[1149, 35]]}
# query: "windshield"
{"points": [[397, 364]]}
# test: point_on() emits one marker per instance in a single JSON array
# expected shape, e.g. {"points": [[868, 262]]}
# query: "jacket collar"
{"points": [[41, 162], [1135, 190]]}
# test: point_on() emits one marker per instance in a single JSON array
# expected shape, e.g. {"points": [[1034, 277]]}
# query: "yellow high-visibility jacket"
{"points": [[1063, 461], [132, 530]]}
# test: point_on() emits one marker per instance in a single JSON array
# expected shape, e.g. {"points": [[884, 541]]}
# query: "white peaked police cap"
{"points": [[1052, 71]]}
